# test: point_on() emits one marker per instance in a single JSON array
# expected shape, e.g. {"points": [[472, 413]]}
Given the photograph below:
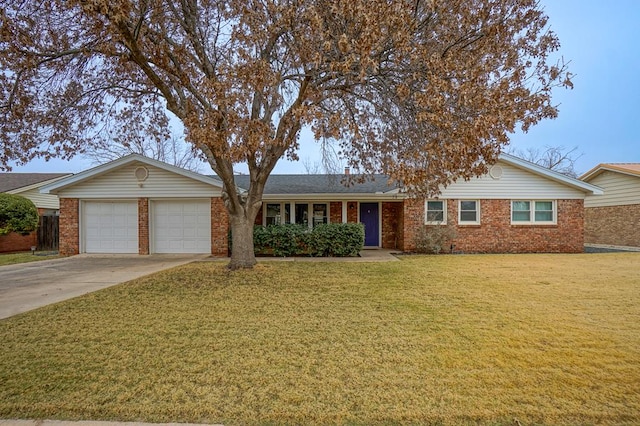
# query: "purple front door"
{"points": [[370, 219]]}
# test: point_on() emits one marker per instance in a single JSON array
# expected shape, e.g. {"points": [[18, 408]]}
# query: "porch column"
{"points": [[344, 212]]}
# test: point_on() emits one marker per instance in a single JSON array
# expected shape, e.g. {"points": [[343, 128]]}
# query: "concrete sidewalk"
{"points": [[87, 423]]}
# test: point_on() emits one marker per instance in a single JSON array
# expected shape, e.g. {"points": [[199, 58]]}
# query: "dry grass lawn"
{"points": [[493, 339], [24, 257]]}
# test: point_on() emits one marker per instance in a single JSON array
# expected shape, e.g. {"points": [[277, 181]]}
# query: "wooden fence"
{"points": [[48, 233]]}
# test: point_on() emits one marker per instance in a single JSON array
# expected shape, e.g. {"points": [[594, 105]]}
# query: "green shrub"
{"points": [[335, 239], [280, 240], [17, 214]]}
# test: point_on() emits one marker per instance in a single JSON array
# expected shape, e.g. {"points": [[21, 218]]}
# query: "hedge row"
{"points": [[326, 240]]}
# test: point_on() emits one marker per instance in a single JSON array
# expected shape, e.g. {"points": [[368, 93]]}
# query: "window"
{"points": [[533, 212], [311, 214], [319, 214], [469, 212], [273, 215], [277, 213], [435, 212], [544, 211], [521, 211], [302, 215]]}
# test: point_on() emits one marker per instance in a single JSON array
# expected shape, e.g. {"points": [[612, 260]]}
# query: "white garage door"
{"points": [[181, 226], [110, 227]]}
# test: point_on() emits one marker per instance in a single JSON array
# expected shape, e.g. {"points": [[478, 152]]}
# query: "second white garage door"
{"points": [[181, 226]]}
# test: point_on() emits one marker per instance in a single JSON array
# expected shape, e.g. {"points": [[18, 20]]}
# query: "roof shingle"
{"points": [[318, 184], [10, 181]]}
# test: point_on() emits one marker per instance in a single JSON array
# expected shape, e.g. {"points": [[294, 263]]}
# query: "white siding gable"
{"points": [[42, 201], [619, 189], [515, 183], [122, 183]]}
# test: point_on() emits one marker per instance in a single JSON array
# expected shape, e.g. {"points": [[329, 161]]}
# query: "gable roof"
{"points": [[632, 169], [13, 181], [121, 162], [332, 184], [319, 184], [302, 184]]}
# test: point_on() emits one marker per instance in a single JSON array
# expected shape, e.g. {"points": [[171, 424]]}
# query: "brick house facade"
{"points": [[614, 217], [135, 188], [497, 234], [613, 225]]}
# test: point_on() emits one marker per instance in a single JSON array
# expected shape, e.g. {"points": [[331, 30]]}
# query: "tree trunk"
{"points": [[242, 253]]}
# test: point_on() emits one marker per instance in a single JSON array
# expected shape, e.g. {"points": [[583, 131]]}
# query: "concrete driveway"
{"points": [[28, 286]]}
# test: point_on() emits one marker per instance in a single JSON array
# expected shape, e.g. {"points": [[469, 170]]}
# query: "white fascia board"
{"points": [[334, 197], [550, 174], [120, 162], [36, 185], [608, 168], [592, 173]]}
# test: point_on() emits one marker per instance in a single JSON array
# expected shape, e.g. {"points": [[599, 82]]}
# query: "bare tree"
{"points": [[423, 91], [556, 158], [311, 168], [171, 150]]}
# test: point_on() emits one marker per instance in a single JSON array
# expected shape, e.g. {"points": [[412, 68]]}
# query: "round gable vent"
{"points": [[495, 172], [141, 174]]}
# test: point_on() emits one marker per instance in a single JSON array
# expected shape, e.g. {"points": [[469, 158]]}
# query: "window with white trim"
{"points": [[311, 214], [435, 212], [526, 212], [320, 214], [277, 213], [469, 212]]}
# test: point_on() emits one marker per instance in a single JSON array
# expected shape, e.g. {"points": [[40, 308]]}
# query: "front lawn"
{"points": [[24, 257], [456, 339]]}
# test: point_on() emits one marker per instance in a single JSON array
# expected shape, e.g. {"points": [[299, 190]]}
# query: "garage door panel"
{"points": [[181, 226], [110, 227]]}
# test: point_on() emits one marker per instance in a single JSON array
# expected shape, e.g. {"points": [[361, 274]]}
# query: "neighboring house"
{"points": [[613, 218], [139, 205], [28, 185]]}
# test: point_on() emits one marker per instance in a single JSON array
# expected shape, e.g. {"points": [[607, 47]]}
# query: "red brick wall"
{"points": [[352, 212], [391, 224], [143, 226], [412, 221], [258, 220], [219, 228], [17, 242], [335, 212], [69, 227], [495, 234], [615, 225]]}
